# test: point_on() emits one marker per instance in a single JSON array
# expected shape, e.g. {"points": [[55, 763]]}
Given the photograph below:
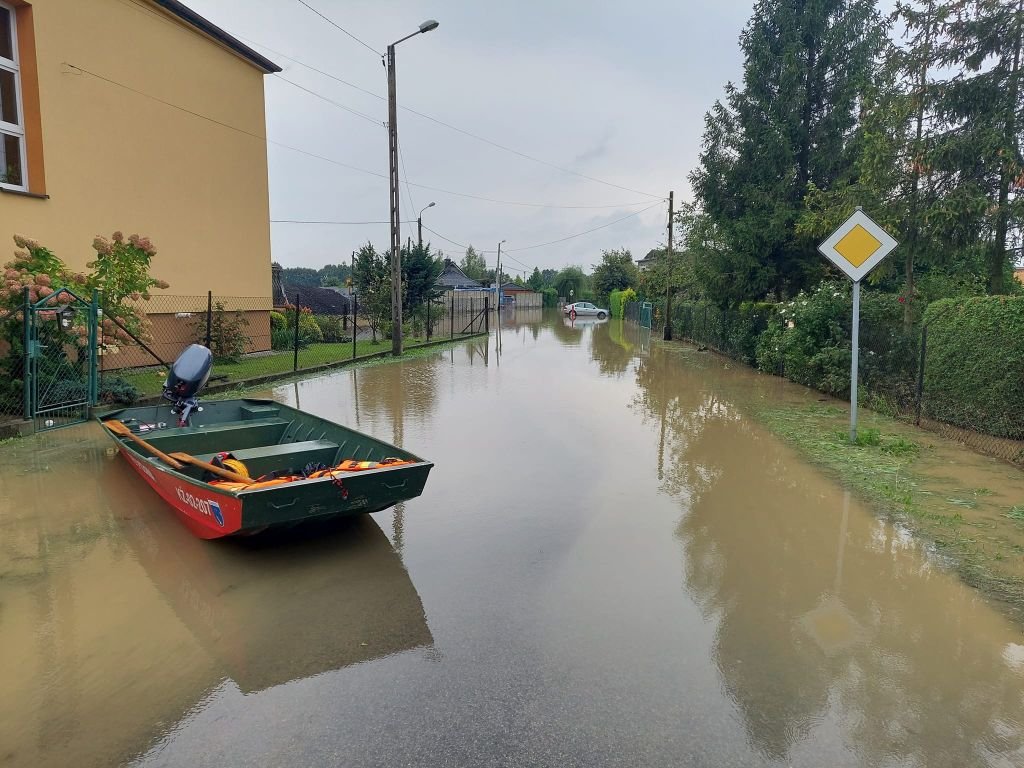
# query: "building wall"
{"points": [[118, 160]]}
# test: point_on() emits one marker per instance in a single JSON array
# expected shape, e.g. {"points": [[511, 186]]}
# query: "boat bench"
{"points": [[214, 438], [265, 459]]}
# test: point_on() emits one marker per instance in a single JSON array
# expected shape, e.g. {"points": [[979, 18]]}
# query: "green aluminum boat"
{"points": [[276, 446]]}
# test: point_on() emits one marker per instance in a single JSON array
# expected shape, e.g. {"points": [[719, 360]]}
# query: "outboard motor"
{"points": [[187, 377]]}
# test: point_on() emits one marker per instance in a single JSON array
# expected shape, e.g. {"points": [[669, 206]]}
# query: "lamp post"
{"points": [[497, 281], [419, 224], [396, 237]]}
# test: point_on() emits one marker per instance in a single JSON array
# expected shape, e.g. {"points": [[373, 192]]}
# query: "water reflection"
{"points": [[826, 617], [115, 622]]}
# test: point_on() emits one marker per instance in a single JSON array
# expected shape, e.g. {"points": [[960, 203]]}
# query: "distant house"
{"points": [[452, 278], [321, 301], [521, 295], [649, 260]]}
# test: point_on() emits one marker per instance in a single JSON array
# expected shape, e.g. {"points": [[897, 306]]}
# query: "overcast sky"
{"points": [[616, 91]]}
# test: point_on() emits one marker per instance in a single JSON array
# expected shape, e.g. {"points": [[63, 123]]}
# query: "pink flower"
{"points": [[26, 242], [117, 237], [43, 279], [102, 246]]}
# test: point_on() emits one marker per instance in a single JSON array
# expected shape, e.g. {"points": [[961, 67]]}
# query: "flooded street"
{"points": [[611, 565]]}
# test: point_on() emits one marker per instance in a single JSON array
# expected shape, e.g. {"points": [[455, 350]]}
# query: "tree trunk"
{"points": [[997, 255]]}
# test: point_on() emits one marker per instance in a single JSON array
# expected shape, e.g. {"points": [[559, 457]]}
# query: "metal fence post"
{"points": [[429, 302], [26, 374], [94, 388], [451, 328], [920, 375], [355, 322], [295, 363], [487, 315], [209, 318]]}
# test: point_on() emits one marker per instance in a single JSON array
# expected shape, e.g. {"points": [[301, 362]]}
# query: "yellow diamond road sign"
{"points": [[858, 246]]}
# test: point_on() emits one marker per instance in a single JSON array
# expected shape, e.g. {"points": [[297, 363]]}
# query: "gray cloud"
{"points": [[613, 91]]}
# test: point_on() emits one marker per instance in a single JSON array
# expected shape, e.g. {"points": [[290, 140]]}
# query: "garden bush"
{"points": [[974, 372], [277, 321], [808, 341], [331, 328], [617, 301]]}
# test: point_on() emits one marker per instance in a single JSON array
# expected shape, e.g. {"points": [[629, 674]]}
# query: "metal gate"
{"points": [[60, 382], [645, 314]]}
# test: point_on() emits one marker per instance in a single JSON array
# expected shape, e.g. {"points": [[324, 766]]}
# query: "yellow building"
{"points": [[139, 116]]}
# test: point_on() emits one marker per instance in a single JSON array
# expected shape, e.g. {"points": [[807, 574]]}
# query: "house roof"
{"points": [[207, 27], [452, 277], [322, 301], [506, 287]]}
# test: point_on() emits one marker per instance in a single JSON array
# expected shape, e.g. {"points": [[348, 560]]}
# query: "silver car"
{"points": [[586, 309]]}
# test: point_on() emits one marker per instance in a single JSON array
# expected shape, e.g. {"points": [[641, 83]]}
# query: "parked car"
{"points": [[586, 309]]}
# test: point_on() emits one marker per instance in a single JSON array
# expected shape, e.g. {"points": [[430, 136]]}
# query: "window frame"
{"points": [[15, 129]]}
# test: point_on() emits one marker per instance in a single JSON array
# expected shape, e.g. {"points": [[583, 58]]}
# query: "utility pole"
{"points": [[668, 271], [419, 225], [396, 236], [497, 285]]}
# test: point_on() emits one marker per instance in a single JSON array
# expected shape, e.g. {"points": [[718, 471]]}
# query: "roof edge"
{"points": [[207, 27]]}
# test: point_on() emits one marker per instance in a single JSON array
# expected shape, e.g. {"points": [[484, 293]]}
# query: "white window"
{"points": [[12, 119]]}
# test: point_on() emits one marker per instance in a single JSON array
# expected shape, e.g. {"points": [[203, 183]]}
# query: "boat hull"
{"points": [[210, 510]]}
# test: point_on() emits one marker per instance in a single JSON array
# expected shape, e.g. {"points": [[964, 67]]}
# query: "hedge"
{"points": [[617, 301], [974, 371]]}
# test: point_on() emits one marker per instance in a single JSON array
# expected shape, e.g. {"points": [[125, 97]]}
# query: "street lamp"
{"points": [[419, 223], [497, 278], [396, 237]]}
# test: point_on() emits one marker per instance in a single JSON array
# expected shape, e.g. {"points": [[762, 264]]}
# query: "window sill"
{"points": [[22, 193]]}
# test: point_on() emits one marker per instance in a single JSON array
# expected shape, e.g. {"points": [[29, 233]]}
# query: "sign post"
{"points": [[857, 247]]}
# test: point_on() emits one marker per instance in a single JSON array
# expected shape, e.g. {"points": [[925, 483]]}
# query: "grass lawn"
{"points": [[150, 381], [971, 507]]}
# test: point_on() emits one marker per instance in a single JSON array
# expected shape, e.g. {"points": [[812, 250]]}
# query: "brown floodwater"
{"points": [[611, 565]]}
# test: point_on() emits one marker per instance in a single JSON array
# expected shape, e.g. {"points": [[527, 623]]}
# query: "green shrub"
{"points": [[227, 335], [330, 328], [734, 331], [115, 389], [617, 301], [974, 371], [808, 341], [309, 330], [278, 321], [281, 338]]}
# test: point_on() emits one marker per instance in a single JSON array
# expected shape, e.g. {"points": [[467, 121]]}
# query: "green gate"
{"points": [[60, 380], [645, 314]]}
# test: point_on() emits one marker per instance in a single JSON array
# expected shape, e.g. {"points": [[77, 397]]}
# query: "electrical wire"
{"points": [[307, 153], [453, 127], [338, 26], [405, 173], [137, 6], [320, 96], [585, 232], [323, 221]]}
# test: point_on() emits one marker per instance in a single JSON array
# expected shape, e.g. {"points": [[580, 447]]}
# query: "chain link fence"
{"points": [[897, 363], [252, 340]]}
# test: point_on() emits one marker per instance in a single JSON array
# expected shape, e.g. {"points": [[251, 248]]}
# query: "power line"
{"points": [[453, 127], [309, 221], [331, 160], [405, 173], [338, 26], [585, 232], [320, 96]]}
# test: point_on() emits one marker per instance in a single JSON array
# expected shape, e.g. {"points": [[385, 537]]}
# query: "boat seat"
{"points": [[267, 458], [226, 436]]}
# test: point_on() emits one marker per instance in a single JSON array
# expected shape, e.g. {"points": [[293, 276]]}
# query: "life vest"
{"points": [[268, 481]]}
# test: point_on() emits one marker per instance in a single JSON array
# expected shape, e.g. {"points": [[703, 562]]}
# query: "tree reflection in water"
{"points": [[871, 635]]}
